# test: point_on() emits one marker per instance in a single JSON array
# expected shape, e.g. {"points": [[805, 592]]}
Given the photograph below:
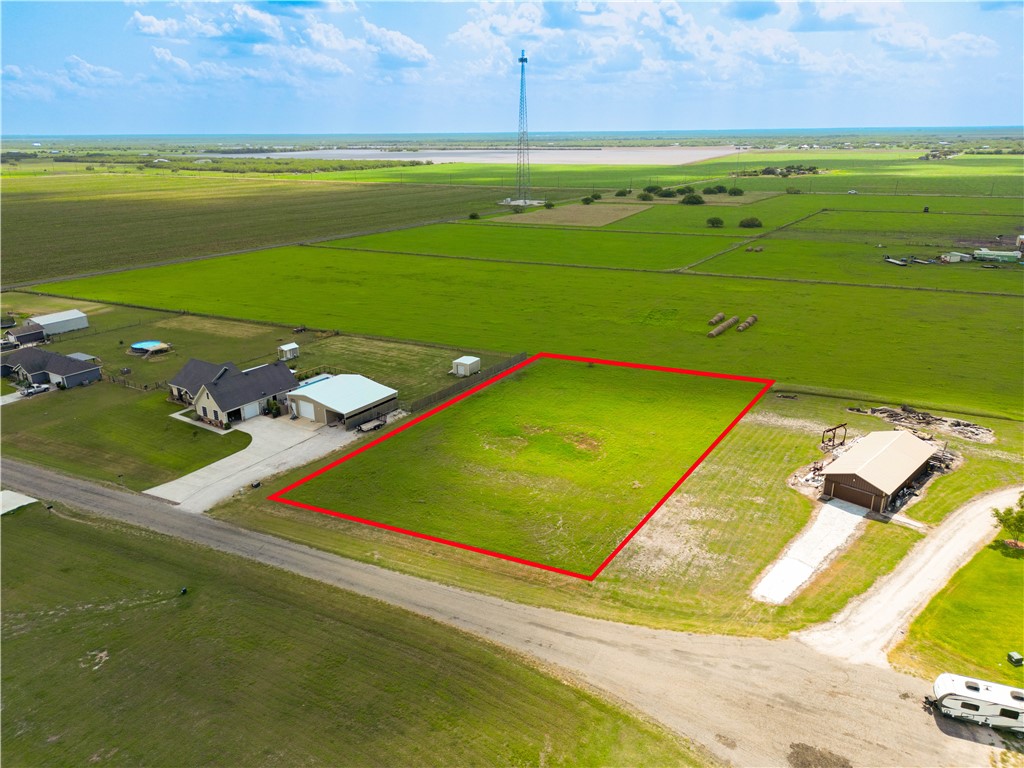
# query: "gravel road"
{"points": [[747, 700]]}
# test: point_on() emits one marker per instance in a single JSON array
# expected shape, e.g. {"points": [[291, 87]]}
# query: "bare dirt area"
{"points": [[213, 326], [905, 416], [671, 542], [578, 215], [749, 701]]}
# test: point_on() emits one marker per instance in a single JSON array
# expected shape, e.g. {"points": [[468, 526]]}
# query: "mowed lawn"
{"points": [[658, 319], [938, 229], [555, 463], [67, 225], [969, 627], [862, 263], [110, 433], [546, 244], [104, 662]]}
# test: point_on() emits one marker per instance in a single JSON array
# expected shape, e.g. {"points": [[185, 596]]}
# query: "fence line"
{"points": [[461, 386], [136, 385]]}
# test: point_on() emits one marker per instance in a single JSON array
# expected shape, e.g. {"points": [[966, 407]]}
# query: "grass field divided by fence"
{"points": [[649, 318], [542, 466], [105, 661]]}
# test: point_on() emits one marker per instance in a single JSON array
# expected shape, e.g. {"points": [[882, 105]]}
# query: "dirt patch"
{"points": [[94, 660], [584, 442], [725, 741], [805, 756], [671, 542], [578, 215], [905, 416], [227, 328], [785, 422]]}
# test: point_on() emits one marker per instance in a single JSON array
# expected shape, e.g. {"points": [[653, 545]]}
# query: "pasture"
{"points": [[69, 225], [971, 624], [555, 463], [104, 662], [113, 434], [548, 245], [648, 318], [934, 229]]}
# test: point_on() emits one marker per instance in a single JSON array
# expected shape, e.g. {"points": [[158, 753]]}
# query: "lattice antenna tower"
{"points": [[523, 149]]}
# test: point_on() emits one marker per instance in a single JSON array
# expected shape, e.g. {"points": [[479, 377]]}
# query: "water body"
{"points": [[538, 155]]}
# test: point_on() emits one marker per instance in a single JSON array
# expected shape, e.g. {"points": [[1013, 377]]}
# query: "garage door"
{"points": [[306, 410], [855, 496], [250, 410]]}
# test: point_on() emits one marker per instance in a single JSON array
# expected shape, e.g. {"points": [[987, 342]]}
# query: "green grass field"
{"points": [[647, 318], [969, 627], [862, 263], [104, 662], [110, 433], [935, 229], [548, 245], [66, 225], [546, 465]]}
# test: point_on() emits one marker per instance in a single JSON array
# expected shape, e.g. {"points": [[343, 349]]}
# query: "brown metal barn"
{"points": [[876, 467]]}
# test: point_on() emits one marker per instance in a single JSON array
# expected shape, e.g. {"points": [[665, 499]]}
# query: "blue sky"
{"points": [[389, 67]]}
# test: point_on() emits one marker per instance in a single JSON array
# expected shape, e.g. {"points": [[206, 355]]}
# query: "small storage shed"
{"points": [[877, 467], [288, 351], [26, 334], [62, 322], [348, 399], [465, 366]]}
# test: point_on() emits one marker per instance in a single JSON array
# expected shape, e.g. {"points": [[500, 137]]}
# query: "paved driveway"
{"points": [[277, 445]]}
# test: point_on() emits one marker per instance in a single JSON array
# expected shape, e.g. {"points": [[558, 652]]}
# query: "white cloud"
{"points": [[396, 44], [298, 57], [911, 40], [264, 23], [192, 26], [331, 38]]}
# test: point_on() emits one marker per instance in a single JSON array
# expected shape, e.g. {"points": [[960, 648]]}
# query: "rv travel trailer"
{"points": [[992, 704]]}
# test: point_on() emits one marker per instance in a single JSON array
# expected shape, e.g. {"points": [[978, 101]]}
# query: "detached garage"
{"points": [[877, 467], [347, 399]]}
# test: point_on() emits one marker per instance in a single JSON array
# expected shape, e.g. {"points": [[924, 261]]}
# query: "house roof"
{"points": [[233, 390], [883, 459], [195, 373], [346, 394], [289, 345], [59, 317], [28, 329], [35, 360]]}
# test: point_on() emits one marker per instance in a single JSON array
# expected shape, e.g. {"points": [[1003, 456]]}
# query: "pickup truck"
{"points": [[35, 389]]}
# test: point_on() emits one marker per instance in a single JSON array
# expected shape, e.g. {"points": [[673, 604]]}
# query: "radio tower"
{"points": [[522, 195]]}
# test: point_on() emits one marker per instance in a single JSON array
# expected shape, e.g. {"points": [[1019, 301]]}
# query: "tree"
{"points": [[751, 223], [667, 193], [715, 222], [735, 192], [474, 215], [645, 196], [692, 199], [652, 189], [622, 193], [548, 204], [721, 189], [709, 191], [595, 195], [587, 200], [685, 190], [1012, 519]]}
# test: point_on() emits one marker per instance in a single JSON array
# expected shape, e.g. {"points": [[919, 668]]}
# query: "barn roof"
{"points": [[346, 394], [884, 459], [59, 317]]}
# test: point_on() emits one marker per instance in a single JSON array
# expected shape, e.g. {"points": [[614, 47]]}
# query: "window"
{"points": [[1012, 714], [216, 416], [971, 685], [969, 707], [204, 412]]}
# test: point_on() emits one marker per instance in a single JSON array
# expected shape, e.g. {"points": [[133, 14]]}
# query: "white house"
{"points": [[348, 399]]}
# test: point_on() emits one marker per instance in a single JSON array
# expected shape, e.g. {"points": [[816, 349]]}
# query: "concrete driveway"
{"points": [[277, 445]]}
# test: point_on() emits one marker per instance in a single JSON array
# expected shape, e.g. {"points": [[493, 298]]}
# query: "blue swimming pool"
{"points": [[146, 345]]}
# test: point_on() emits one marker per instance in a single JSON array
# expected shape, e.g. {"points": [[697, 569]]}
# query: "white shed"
{"points": [[62, 322], [288, 351], [465, 366]]}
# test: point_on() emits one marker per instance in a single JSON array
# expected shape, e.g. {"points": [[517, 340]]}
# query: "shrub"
{"points": [[715, 222], [474, 215], [735, 191], [587, 200], [595, 195], [548, 204], [622, 193], [692, 199], [667, 193], [721, 189], [652, 189], [685, 190], [792, 191], [751, 223], [518, 209], [645, 196], [709, 190]]}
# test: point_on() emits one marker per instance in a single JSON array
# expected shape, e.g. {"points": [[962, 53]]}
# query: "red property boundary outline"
{"points": [[278, 496]]}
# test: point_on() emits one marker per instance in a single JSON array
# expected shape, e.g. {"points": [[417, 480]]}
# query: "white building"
{"points": [[61, 322], [348, 399], [465, 366], [288, 351]]}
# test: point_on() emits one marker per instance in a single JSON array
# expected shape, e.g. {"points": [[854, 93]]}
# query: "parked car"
{"points": [[35, 389]]}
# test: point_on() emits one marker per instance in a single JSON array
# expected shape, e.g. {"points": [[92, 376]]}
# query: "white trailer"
{"points": [[991, 704]]}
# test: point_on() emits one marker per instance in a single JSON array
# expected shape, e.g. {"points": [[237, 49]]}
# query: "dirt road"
{"points": [[872, 624], [747, 700]]}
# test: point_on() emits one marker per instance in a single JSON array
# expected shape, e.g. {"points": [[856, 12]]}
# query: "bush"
{"points": [[587, 200], [548, 204], [721, 189], [692, 199], [595, 195], [715, 222], [751, 223], [622, 193], [667, 193], [474, 215], [645, 196], [685, 190], [518, 209], [792, 191], [652, 189], [735, 191], [709, 190]]}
